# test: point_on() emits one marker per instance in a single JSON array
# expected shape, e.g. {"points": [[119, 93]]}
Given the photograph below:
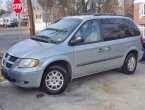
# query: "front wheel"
{"points": [[130, 64], [55, 80]]}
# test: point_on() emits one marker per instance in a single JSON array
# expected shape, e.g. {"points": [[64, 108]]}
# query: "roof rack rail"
{"points": [[100, 14], [86, 14], [103, 14]]}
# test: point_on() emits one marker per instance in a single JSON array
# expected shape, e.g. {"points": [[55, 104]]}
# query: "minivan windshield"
{"points": [[59, 31]]}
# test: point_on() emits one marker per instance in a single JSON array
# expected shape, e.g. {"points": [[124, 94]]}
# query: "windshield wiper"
{"points": [[44, 38], [39, 39], [58, 30]]}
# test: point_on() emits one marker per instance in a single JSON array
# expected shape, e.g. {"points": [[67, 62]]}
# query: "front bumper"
{"points": [[23, 79]]}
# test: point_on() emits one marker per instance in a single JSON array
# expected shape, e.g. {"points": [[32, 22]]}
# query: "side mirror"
{"points": [[77, 41]]}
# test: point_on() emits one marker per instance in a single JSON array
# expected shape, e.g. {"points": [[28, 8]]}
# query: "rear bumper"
{"points": [[23, 79]]}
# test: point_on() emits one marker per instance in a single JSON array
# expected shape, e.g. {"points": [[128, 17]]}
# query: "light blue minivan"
{"points": [[73, 47]]}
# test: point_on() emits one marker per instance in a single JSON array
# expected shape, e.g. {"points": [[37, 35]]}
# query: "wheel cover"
{"points": [[131, 64], [54, 80]]}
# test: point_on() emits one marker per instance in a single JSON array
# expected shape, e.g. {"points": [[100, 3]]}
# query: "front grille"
{"points": [[9, 60], [8, 65], [13, 59]]}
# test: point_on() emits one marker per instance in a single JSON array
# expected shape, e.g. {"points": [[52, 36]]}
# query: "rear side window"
{"points": [[117, 28], [113, 29]]}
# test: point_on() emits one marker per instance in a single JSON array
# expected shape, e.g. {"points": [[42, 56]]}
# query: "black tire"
{"points": [[65, 78], [125, 68]]}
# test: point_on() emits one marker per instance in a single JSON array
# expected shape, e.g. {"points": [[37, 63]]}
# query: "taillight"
{"points": [[141, 40]]}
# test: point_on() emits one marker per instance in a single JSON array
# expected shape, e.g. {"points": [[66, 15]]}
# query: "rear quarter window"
{"points": [[113, 29]]}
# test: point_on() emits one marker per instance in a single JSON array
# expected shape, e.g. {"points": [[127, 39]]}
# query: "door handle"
{"points": [[108, 48], [100, 50]]}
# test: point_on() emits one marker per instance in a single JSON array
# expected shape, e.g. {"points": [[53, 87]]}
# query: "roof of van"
{"points": [[95, 16]]}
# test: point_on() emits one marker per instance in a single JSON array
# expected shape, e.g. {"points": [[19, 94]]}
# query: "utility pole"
{"points": [[123, 8], [31, 20]]}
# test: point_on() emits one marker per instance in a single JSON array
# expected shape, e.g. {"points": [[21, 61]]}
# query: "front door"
{"points": [[88, 55]]}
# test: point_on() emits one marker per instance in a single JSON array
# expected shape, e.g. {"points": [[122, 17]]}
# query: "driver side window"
{"points": [[89, 31]]}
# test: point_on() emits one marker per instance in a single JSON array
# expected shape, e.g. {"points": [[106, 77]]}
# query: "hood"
{"points": [[29, 49]]}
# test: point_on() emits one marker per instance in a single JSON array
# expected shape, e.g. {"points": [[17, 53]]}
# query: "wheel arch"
{"points": [[65, 62], [129, 51], [124, 68], [132, 50]]}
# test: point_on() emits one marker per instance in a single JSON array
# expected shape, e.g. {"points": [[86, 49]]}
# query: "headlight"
{"points": [[28, 63]]}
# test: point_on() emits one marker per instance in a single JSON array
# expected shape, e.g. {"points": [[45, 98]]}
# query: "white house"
{"points": [[40, 19], [12, 16]]}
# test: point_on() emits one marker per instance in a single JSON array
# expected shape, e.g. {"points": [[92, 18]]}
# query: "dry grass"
{"points": [[1, 78], [1, 54]]}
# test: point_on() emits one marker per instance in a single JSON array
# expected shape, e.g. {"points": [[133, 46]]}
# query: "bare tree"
{"points": [[2, 12], [104, 6], [47, 7], [71, 7], [96, 6], [8, 6], [128, 8]]}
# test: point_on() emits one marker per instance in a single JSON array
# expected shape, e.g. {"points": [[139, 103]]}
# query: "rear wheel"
{"points": [[130, 64], [55, 80]]}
